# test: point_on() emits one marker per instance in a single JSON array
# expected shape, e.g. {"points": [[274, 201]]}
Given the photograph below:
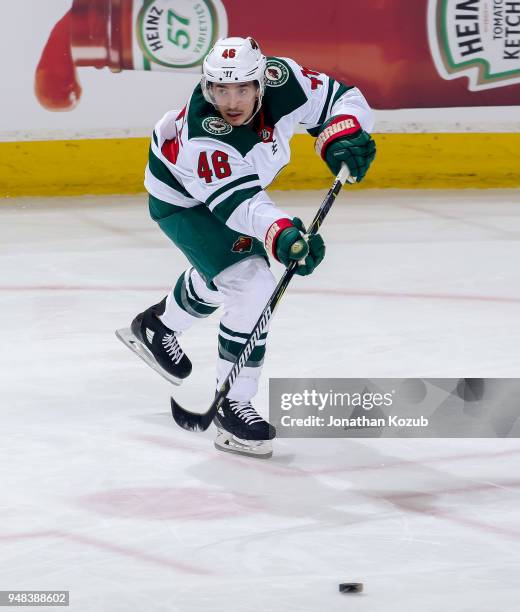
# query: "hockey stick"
{"points": [[194, 421]]}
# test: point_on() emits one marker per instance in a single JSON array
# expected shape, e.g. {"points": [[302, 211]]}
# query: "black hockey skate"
{"points": [[156, 344], [241, 430]]}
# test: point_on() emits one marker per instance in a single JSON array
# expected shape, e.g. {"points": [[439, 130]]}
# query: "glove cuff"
{"points": [[339, 127], [273, 232]]}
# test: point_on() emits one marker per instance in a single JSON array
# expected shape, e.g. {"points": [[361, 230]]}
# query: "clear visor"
{"points": [[233, 95]]}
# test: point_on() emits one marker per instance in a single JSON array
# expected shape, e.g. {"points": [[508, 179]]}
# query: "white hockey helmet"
{"points": [[234, 60]]}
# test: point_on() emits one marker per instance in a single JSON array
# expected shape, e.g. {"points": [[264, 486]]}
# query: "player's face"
{"points": [[235, 101]]}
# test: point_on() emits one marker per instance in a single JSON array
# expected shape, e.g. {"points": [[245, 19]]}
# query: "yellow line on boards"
{"points": [[101, 166]]}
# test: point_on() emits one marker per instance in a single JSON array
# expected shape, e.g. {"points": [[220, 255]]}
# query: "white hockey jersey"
{"points": [[198, 159]]}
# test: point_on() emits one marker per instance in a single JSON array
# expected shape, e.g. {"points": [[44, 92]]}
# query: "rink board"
{"points": [[116, 165]]}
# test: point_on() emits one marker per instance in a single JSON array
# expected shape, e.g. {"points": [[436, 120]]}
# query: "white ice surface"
{"points": [[103, 495]]}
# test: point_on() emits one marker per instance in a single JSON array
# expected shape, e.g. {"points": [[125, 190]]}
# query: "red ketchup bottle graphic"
{"points": [[401, 53]]}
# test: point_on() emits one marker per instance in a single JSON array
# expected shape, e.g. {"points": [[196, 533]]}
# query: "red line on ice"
{"points": [[422, 502], [418, 461], [111, 547], [310, 291]]}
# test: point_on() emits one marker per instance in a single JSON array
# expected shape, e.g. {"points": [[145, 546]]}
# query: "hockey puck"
{"points": [[351, 587]]}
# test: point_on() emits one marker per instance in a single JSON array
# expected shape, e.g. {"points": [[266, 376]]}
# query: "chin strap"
{"points": [[258, 107]]}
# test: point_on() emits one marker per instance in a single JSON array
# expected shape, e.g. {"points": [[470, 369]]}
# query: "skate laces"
{"points": [[172, 347], [245, 411]]}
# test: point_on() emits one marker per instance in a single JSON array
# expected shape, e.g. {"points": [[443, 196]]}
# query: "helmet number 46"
{"points": [[219, 161], [229, 53]]}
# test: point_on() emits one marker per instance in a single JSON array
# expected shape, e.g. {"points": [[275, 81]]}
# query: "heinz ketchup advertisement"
{"points": [[401, 53]]}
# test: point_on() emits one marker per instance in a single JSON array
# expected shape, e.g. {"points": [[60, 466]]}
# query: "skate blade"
{"points": [[230, 444], [136, 346]]}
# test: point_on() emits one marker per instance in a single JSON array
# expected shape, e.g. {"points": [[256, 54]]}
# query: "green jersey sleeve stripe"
{"points": [[232, 185], [341, 90], [323, 115], [155, 139], [161, 173], [329, 103], [166, 193], [225, 209]]}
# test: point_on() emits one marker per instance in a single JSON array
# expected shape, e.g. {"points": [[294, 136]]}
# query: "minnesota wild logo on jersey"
{"points": [[276, 73], [216, 126], [244, 244]]}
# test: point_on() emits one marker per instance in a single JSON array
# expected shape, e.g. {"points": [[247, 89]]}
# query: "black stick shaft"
{"points": [[268, 311]]}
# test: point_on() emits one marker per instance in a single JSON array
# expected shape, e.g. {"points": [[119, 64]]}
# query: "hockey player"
{"points": [[208, 168]]}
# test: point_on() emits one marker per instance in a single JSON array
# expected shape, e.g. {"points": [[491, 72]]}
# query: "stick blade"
{"points": [[191, 421]]}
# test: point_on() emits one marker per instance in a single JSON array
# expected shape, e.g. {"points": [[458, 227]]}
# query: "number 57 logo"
{"points": [[176, 34]]}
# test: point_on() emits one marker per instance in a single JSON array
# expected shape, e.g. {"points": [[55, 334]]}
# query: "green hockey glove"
{"points": [[343, 140], [287, 241]]}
